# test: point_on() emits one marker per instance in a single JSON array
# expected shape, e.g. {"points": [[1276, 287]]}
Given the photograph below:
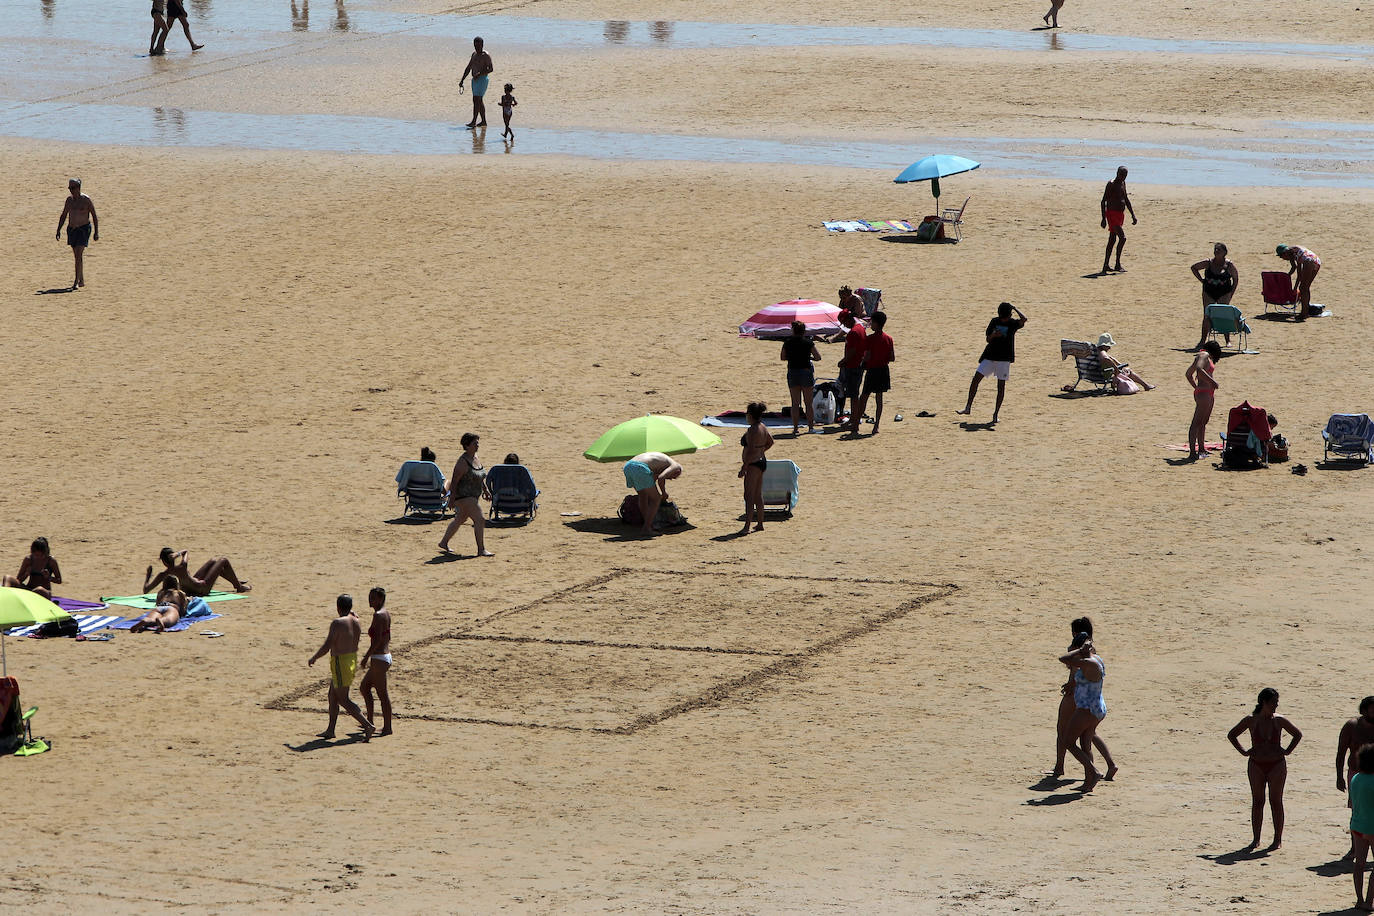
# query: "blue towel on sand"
{"points": [[182, 624]]}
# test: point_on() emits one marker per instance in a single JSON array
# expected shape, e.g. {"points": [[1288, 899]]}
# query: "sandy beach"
{"points": [[848, 712]]}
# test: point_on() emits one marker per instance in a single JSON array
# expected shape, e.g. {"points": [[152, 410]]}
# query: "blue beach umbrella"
{"points": [[933, 168]]}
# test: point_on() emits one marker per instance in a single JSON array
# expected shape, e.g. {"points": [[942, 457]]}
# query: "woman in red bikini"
{"points": [[1268, 767]]}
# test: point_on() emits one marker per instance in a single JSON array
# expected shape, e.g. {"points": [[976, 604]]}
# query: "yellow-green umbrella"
{"points": [[651, 433], [20, 607]]}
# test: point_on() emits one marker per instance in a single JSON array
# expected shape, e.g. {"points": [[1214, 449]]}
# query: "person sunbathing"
{"points": [[1107, 361], [198, 583], [38, 571], [171, 607]]}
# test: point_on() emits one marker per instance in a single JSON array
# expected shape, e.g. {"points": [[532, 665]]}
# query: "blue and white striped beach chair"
{"points": [[1349, 436]]}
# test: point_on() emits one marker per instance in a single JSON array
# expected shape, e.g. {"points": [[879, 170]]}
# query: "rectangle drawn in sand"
{"points": [[632, 648]]}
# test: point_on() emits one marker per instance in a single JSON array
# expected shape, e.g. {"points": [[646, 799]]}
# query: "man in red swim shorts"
{"points": [[1115, 203]]}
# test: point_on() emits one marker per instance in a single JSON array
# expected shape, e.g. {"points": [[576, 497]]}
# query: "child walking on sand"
{"points": [[508, 104]]}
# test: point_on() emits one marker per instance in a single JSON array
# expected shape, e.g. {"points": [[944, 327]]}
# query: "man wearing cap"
{"points": [[851, 365], [78, 213]]}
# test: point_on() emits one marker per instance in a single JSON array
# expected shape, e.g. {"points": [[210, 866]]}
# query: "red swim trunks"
{"points": [[1116, 219]]}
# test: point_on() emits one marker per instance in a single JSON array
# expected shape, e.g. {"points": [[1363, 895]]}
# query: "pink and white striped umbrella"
{"points": [[775, 322]]}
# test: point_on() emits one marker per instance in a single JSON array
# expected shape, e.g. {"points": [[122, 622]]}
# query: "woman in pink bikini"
{"points": [[1305, 264], [1205, 387], [1268, 767]]}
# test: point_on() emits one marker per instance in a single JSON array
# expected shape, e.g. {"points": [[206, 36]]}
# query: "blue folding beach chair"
{"points": [[1349, 436], [1227, 322], [421, 485], [513, 493]]}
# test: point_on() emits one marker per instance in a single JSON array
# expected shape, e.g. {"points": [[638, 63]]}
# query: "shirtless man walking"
{"points": [[1355, 734], [377, 659], [79, 215], [1115, 203], [345, 632], [479, 65], [648, 474]]}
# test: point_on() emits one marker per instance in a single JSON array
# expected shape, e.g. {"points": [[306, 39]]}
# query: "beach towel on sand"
{"points": [[86, 623], [773, 419], [182, 624], [148, 602], [72, 606], [867, 225]]}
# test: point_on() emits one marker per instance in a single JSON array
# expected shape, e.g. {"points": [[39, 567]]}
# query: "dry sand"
{"points": [[848, 712]]}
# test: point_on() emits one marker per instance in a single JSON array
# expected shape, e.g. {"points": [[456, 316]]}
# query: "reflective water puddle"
{"points": [[1335, 161]]}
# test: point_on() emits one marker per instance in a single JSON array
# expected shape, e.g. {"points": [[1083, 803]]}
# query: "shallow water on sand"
{"points": [[1344, 162], [224, 21]]}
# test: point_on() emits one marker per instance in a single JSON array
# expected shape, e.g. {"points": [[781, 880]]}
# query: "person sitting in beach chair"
{"points": [[421, 485], [513, 493]]}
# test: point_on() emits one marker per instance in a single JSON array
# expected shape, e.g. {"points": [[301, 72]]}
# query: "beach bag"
{"points": [[931, 229], [629, 511], [1125, 385], [1278, 449], [668, 515], [823, 406], [67, 627]]}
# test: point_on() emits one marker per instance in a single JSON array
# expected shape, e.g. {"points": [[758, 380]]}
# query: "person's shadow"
{"points": [[616, 531], [1048, 783], [1244, 854], [315, 744], [969, 426], [54, 291], [1333, 869]]}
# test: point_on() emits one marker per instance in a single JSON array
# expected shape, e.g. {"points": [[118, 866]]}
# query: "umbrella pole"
{"points": [[4, 666]]}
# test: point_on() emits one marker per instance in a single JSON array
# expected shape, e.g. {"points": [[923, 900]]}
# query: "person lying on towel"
{"points": [[171, 607]]}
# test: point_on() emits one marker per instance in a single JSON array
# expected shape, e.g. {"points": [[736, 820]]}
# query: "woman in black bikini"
{"points": [[755, 441], [37, 572], [1219, 279], [1268, 767]]}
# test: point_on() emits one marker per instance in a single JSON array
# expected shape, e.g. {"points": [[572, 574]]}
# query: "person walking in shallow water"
{"points": [[78, 213], [508, 104], [1268, 766], [1115, 203], [479, 65]]}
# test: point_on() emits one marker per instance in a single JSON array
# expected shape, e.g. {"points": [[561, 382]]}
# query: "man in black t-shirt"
{"points": [[998, 355]]}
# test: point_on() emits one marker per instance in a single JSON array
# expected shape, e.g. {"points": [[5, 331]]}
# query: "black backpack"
{"points": [[64, 627]]}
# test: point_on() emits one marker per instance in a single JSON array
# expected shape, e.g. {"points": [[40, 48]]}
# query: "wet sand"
{"points": [[849, 711]]}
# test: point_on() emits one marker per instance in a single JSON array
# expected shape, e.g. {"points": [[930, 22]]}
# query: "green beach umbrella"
{"points": [[20, 607], [650, 433]]}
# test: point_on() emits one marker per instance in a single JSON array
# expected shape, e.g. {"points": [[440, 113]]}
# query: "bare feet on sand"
{"points": [[1111, 772]]}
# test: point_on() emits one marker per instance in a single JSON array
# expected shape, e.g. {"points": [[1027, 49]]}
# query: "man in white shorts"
{"points": [[998, 355]]}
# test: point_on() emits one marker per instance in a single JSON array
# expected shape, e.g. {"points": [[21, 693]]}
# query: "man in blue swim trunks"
{"points": [[648, 475], [479, 65]]}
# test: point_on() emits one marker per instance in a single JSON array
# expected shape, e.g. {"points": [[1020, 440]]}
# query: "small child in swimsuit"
{"points": [[508, 104]]}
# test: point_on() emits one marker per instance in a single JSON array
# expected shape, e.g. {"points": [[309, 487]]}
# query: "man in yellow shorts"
{"points": [[345, 632]]}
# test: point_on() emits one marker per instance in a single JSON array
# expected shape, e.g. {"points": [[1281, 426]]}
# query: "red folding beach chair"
{"points": [[1247, 436], [1279, 291]]}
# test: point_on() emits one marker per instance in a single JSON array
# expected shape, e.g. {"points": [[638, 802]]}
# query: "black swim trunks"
{"points": [[79, 236], [877, 379], [175, 10]]}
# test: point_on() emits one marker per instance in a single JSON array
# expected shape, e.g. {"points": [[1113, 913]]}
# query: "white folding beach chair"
{"points": [[955, 219], [780, 488]]}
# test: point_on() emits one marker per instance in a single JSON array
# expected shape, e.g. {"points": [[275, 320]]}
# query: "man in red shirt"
{"points": [[878, 354], [852, 365]]}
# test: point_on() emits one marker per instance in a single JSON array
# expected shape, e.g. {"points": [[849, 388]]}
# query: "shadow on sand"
{"points": [[316, 744], [617, 531], [54, 291], [1244, 854]]}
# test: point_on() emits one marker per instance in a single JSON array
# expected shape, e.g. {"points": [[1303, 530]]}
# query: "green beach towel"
{"points": [[148, 602]]}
